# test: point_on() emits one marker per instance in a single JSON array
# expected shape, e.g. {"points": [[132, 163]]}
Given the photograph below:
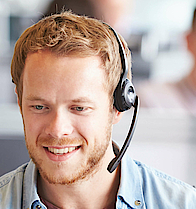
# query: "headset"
{"points": [[124, 98]]}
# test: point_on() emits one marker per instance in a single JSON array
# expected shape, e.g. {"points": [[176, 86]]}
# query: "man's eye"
{"points": [[39, 107], [79, 108]]}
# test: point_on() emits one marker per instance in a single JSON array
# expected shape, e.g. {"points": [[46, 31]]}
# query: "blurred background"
{"points": [[156, 32]]}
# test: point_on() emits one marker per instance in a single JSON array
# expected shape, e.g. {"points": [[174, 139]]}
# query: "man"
{"points": [[66, 68], [179, 95]]}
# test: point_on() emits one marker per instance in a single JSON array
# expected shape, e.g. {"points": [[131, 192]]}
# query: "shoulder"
{"points": [[11, 186], [153, 188], [155, 174], [165, 189], [8, 177]]}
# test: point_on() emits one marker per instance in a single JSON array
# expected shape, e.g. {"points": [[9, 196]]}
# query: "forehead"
{"points": [[49, 63], [45, 72]]}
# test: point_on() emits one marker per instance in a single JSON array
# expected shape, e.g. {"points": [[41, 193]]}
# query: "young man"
{"points": [[66, 69]]}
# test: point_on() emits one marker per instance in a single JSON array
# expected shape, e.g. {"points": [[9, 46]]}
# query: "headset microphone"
{"points": [[124, 98], [115, 161]]}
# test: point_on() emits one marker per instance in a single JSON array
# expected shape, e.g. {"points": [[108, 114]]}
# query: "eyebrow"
{"points": [[82, 100], [34, 98], [78, 100]]}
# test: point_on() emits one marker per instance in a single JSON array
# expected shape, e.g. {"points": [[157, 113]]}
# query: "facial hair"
{"points": [[86, 169]]}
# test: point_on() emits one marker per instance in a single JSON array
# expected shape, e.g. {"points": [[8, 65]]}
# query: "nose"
{"points": [[59, 125]]}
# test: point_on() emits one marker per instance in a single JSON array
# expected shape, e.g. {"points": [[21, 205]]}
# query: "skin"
{"points": [[64, 104], [191, 46]]}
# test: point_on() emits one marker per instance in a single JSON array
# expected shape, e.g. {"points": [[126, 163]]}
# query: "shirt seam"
{"points": [[9, 176], [165, 176]]}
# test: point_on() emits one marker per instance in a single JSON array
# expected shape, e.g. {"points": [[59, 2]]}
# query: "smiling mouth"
{"points": [[62, 151]]}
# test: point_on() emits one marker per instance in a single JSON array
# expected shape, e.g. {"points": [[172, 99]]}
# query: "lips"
{"points": [[61, 151], [60, 154]]}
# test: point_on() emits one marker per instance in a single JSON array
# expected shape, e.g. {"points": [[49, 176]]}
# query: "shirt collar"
{"points": [[30, 194], [130, 189]]}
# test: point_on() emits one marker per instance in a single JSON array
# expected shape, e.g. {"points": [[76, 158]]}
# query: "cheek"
{"points": [[92, 128], [86, 128], [32, 126]]}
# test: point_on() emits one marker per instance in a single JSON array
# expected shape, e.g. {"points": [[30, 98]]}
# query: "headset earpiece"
{"points": [[124, 96]]}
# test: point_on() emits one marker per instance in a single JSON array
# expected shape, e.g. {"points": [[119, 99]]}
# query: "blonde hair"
{"points": [[69, 34]]}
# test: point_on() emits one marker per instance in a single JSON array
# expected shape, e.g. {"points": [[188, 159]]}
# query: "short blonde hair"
{"points": [[69, 34]]}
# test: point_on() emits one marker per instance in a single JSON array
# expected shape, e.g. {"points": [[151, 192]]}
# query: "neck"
{"points": [[98, 191]]}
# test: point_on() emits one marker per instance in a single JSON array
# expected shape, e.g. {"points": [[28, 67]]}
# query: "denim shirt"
{"points": [[141, 187]]}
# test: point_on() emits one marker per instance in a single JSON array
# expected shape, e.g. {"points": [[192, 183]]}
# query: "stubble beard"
{"points": [[84, 171]]}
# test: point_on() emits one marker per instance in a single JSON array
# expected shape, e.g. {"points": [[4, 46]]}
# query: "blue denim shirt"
{"points": [[141, 187]]}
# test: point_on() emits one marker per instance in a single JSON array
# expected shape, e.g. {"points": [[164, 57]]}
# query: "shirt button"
{"points": [[137, 202], [38, 207]]}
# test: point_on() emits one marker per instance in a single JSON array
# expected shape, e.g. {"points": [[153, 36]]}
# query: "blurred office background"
{"points": [[155, 31]]}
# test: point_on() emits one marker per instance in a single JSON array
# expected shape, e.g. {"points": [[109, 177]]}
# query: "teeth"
{"points": [[61, 151]]}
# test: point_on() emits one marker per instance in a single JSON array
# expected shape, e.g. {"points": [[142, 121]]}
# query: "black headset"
{"points": [[124, 98]]}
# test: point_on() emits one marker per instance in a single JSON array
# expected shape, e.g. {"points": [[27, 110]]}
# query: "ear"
{"points": [[16, 95], [188, 40], [117, 116], [17, 99]]}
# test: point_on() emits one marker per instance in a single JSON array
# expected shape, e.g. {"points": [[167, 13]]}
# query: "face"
{"points": [[67, 116]]}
